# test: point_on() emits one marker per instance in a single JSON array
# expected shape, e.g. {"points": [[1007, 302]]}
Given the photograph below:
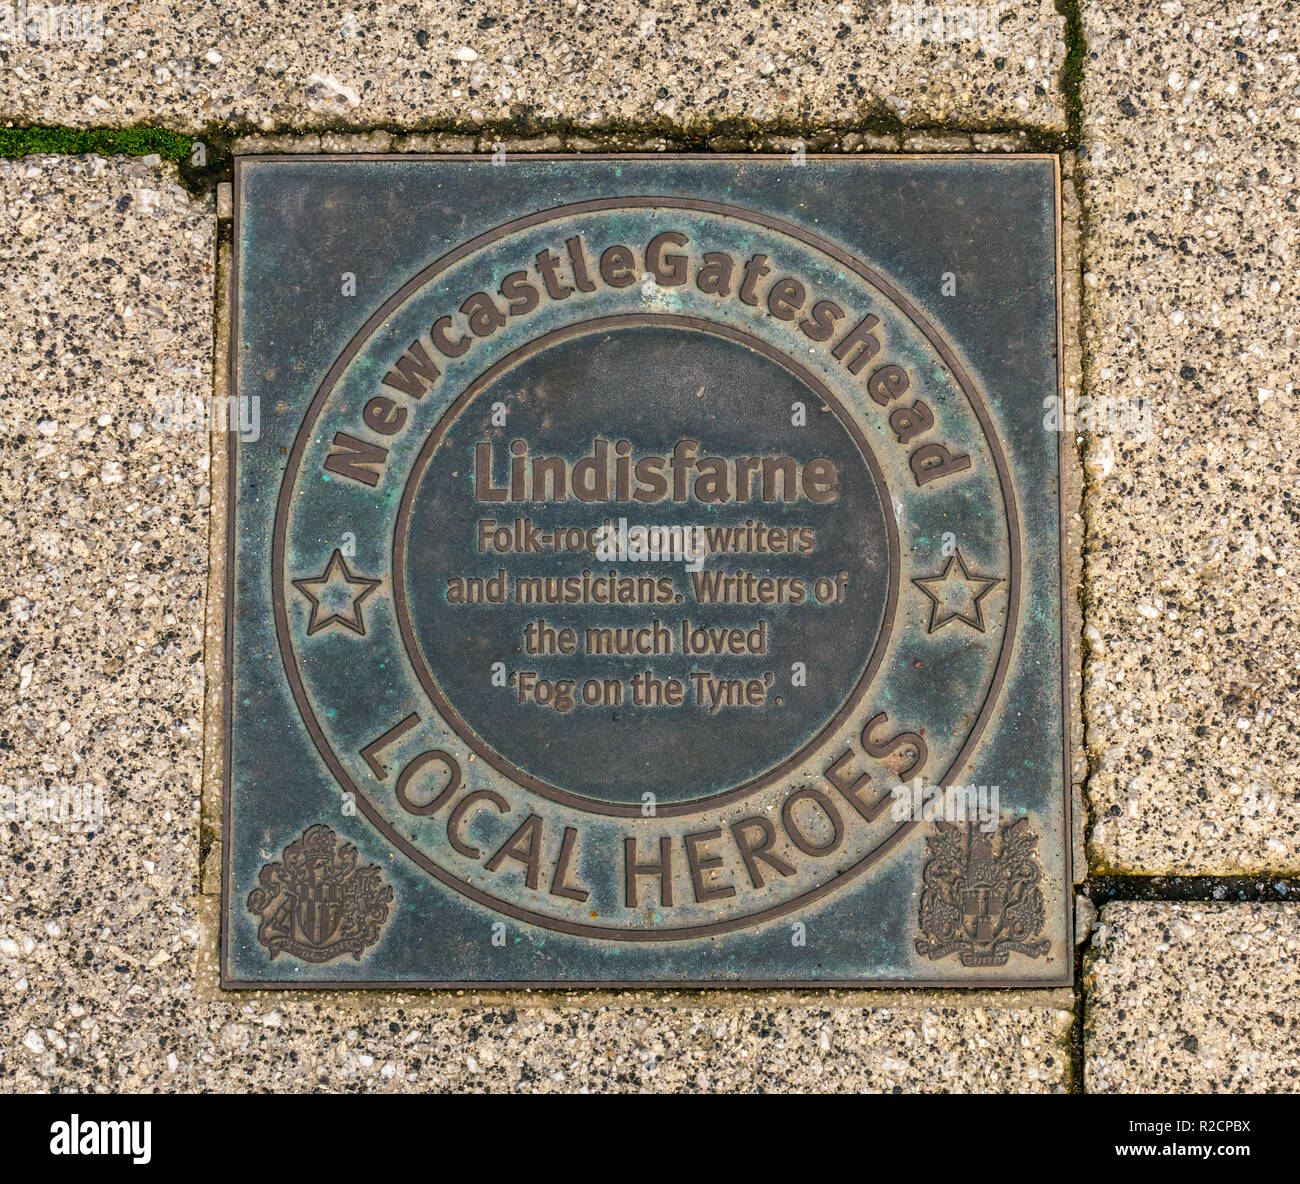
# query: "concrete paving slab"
{"points": [[301, 65], [1189, 183], [1193, 998]]}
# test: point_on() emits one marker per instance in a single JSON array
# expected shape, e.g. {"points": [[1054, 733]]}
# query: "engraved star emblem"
{"points": [[336, 595], [956, 594]]}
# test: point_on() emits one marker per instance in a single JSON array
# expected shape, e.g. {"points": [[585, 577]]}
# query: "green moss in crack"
{"points": [[1076, 53], [105, 141], [202, 159]]}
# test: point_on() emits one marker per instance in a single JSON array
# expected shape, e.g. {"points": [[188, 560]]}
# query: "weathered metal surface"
{"points": [[629, 548]]}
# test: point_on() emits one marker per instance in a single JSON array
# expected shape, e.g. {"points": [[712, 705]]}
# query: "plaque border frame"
{"points": [[1066, 489]]}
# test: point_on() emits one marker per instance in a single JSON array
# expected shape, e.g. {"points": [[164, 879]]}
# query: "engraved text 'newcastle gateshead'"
{"points": [[556, 277]]}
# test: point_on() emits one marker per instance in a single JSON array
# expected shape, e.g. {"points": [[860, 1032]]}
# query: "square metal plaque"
{"points": [[646, 570]]}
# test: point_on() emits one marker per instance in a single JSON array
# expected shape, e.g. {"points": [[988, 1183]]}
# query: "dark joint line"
{"points": [[1207, 889]]}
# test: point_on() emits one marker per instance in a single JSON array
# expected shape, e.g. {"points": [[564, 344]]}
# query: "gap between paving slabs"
{"points": [[206, 157]]}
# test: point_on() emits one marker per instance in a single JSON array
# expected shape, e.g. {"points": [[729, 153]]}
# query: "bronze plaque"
{"points": [[646, 570]]}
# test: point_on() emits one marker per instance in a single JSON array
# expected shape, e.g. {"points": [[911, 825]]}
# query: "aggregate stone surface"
{"points": [[303, 65], [1193, 998], [1192, 682]]}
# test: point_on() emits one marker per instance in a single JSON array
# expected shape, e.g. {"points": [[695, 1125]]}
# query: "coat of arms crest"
{"points": [[981, 898], [316, 903]]}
